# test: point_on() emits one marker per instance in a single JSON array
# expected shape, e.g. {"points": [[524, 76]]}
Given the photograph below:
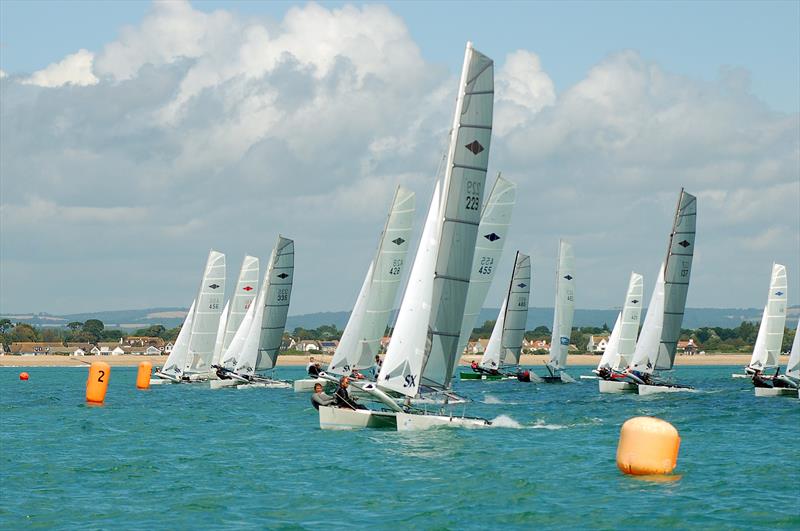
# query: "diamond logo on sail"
{"points": [[634, 301], [398, 241], [283, 275], [778, 293], [521, 285], [475, 147], [492, 237], [214, 286], [684, 244], [569, 277], [248, 288]]}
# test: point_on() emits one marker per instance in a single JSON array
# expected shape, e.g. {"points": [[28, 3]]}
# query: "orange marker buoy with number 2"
{"points": [[97, 384], [647, 446], [143, 376]]}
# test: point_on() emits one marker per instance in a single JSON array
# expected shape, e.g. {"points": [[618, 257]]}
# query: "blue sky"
{"points": [[691, 38], [136, 136]]}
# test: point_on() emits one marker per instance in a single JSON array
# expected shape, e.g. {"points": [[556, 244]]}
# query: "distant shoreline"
{"points": [[130, 360]]}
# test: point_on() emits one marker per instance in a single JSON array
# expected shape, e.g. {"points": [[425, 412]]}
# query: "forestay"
{"points": [[644, 356], [462, 197], [622, 342], [677, 271], [277, 294], [402, 367], [176, 361], [362, 335], [767, 349], [492, 235], [206, 315], [564, 307]]}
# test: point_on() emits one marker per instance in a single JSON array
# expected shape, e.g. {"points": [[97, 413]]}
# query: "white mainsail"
{"points": [[492, 233], [644, 356], [677, 271], [230, 356], [767, 349], [206, 315], [505, 343], [622, 341], [793, 366], [247, 354], [246, 290], [491, 356], [564, 307], [361, 338], [176, 361], [223, 319], [277, 289], [402, 367], [462, 197]]}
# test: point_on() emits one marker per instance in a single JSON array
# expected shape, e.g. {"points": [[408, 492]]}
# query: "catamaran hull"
{"points": [[479, 376], [219, 384], [740, 375], [334, 418], [160, 381], [616, 387], [416, 422], [657, 389], [266, 384], [775, 391], [306, 385]]}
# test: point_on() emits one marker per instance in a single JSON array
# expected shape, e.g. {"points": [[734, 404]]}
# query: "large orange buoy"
{"points": [[97, 383], [647, 446], [143, 376], [23, 376]]}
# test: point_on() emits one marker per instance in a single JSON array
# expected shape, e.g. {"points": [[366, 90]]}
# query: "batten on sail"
{"points": [[492, 235], [206, 316], [767, 349], [360, 340], [622, 341], [246, 292], [515, 312], [277, 294], [462, 197]]}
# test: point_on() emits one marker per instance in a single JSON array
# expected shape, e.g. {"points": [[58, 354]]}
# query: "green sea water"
{"points": [[186, 457]]}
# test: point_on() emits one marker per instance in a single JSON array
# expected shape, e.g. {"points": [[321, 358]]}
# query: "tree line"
{"points": [[90, 331]]}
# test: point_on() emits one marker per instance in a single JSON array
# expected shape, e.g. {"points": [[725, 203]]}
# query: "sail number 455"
{"points": [[486, 265]]}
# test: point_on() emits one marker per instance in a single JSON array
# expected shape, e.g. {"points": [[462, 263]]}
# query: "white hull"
{"points": [[657, 389], [616, 387], [415, 422], [265, 384], [774, 391], [160, 381], [219, 384], [740, 375], [587, 377], [306, 385], [334, 418]]}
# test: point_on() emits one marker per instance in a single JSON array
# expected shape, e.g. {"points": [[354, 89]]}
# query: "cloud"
{"points": [[74, 69], [205, 130]]}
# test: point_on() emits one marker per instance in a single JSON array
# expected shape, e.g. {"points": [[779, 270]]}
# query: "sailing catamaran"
{"points": [[236, 308], [505, 344], [562, 321], [767, 350], [373, 308], [191, 362], [792, 377], [423, 351], [255, 345], [658, 341], [622, 342]]}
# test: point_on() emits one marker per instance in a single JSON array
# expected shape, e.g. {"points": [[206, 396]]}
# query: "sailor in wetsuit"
{"points": [[319, 398], [342, 396], [760, 381]]}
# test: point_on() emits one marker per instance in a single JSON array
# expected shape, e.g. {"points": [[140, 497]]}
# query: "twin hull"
{"points": [[333, 418]]}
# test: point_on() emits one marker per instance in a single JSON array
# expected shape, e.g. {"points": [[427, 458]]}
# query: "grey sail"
{"points": [[277, 294], [516, 310], [462, 197], [677, 271]]}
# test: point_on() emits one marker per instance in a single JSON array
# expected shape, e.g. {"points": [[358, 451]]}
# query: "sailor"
{"points": [[760, 381], [222, 373], [310, 365], [342, 396], [319, 398], [377, 368], [314, 370], [524, 376], [604, 372], [475, 367]]}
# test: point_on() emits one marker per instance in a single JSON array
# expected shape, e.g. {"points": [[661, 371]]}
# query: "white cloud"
{"points": [[74, 69], [216, 130]]}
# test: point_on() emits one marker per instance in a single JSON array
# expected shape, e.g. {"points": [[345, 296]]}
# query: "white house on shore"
{"points": [[597, 344]]}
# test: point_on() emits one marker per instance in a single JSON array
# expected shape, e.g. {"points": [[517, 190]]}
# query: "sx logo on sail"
{"points": [[409, 380]]}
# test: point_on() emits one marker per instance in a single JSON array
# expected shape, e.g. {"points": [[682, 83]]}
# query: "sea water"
{"points": [[184, 456]]}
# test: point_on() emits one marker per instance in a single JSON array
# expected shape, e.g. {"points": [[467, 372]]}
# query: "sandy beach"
{"points": [[295, 360]]}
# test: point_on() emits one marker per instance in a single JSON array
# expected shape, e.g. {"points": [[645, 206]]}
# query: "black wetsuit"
{"points": [[342, 399], [313, 370]]}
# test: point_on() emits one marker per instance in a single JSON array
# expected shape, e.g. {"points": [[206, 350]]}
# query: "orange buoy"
{"points": [[23, 376], [97, 383], [143, 376], [647, 446]]}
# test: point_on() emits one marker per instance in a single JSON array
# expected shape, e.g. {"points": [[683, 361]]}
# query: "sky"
{"points": [[136, 136]]}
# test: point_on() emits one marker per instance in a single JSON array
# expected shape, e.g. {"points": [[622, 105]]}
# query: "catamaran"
{"points": [[236, 308], [767, 350], [562, 321], [254, 347], [423, 350], [791, 379], [360, 341], [192, 360], [658, 341], [504, 349], [622, 342]]}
